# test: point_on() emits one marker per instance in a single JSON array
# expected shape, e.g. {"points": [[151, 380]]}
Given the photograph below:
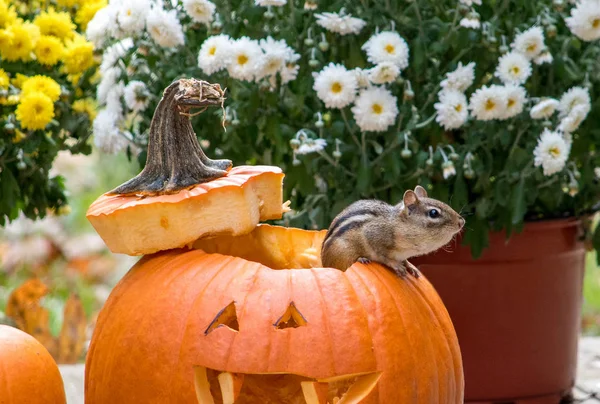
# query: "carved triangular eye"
{"points": [[292, 318], [226, 317]]}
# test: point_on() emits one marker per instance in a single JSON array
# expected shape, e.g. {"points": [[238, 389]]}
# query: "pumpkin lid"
{"points": [[181, 195]]}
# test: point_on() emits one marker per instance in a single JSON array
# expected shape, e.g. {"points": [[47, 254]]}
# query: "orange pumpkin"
{"points": [[28, 374], [252, 319]]}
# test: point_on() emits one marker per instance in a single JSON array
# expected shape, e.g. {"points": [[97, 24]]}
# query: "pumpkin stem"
{"points": [[175, 159]]}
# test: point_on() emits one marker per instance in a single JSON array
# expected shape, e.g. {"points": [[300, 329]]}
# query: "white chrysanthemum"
{"points": [[470, 2], [544, 57], [551, 152], [335, 86], [375, 109], [452, 109], [311, 146], [136, 96], [597, 172], [584, 21], [108, 81], [572, 98], [245, 54], [214, 53], [362, 77], [571, 122], [107, 136], [113, 53], [530, 43], [544, 109], [131, 15], [461, 78], [516, 96], [342, 24], [385, 72], [102, 26], [164, 27], [276, 54], [113, 99], [471, 22], [488, 103], [201, 11], [274, 3], [387, 46], [513, 68], [289, 73]]}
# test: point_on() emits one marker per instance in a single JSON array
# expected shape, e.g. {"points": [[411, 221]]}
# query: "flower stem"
{"points": [[347, 123]]}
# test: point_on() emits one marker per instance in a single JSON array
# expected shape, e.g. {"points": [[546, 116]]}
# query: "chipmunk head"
{"points": [[429, 223]]}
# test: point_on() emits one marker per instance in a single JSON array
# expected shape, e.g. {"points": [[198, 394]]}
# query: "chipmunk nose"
{"points": [[461, 222]]}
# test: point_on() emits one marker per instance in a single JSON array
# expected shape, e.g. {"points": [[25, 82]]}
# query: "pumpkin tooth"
{"points": [[231, 385], [202, 386], [315, 392], [360, 388]]}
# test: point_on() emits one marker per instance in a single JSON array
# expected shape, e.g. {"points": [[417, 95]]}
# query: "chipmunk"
{"points": [[372, 230]]}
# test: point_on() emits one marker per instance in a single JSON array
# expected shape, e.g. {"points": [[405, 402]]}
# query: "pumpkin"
{"points": [[228, 311], [28, 374]]}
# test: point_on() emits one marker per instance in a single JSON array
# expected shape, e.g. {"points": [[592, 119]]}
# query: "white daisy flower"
{"points": [[276, 55], [513, 68], [461, 78], [375, 109], [274, 3], [471, 22], [311, 146], [102, 26], [544, 109], [342, 24], [572, 98], [214, 53], [452, 109], [362, 77], [530, 43], [201, 11], [387, 46], [516, 96], [584, 21], [131, 15], [470, 2], [335, 86], [551, 152], [571, 122], [136, 96], [544, 57], [289, 72], [488, 103], [385, 72], [245, 54], [164, 27]]}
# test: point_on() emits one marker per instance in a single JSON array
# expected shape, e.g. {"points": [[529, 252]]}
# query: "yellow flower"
{"points": [[10, 100], [85, 106], [49, 50], [87, 11], [55, 24], [35, 111], [17, 42], [68, 3], [8, 15], [74, 78], [79, 55], [41, 84], [18, 136], [4, 79], [18, 80]]}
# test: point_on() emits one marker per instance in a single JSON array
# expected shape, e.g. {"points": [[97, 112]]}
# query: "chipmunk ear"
{"points": [[420, 191], [410, 199]]}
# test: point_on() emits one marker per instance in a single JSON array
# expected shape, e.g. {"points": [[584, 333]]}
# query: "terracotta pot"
{"points": [[516, 311]]}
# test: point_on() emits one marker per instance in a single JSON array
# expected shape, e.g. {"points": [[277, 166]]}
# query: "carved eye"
{"points": [[434, 213]]}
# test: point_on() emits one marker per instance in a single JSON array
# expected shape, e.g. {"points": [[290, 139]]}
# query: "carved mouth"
{"points": [[221, 387]]}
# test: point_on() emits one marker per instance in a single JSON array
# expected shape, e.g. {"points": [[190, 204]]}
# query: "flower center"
{"points": [[531, 48], [336, 87], [377, 109], [458, 107], [212, 50], [38, 108], [242, 59], [515, 70], [389, 48], [490, 105], [129, 13], [596, 23], [511, 102], [554, 151]]}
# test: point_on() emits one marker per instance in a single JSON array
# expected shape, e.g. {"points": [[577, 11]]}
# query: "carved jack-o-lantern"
{"points": [[248, 316]]}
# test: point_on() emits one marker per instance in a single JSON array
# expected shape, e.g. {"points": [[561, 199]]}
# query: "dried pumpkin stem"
{"points": [[175, 159]]}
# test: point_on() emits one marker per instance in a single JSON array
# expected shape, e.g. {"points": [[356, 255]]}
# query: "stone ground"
{"points": [[588, 374]]}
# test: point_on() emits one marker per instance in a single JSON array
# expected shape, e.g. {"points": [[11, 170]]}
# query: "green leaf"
{"points": [[596, 243], [363, 180], [519, 207]]}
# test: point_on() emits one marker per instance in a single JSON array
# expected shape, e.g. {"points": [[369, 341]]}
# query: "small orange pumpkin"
{"points": [[28, 374]]}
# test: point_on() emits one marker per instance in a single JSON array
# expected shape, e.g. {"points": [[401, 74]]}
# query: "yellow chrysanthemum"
{"points": [[19, 135], [87, 11], [54, 23], [4, 79], [86, 106], [41, 84], [8, 15], [35, 111], [10, 100], [17, 42], [79, 55], [68, 3], [49, 50], [18, 80]]}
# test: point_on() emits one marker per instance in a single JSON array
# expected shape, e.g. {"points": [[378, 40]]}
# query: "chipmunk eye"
{"points": [[434, 213]]}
